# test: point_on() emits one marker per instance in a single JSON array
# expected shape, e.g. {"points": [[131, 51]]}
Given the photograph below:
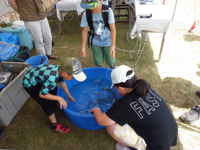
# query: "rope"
{"points": [[196, 22], [130, 52], [195, 10], [13, 58], [58, 33]]}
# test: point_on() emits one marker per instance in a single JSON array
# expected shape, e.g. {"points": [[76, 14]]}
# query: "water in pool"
{"points": [[93, 93]]}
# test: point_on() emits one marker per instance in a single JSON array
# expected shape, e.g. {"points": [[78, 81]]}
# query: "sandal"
{"points": [[53, 56], [50, 62]]}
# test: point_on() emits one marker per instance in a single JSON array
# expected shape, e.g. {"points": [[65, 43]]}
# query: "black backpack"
{"points": [[90, 21]]}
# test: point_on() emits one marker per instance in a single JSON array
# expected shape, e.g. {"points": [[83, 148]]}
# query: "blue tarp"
{"points": [[9, 45]]}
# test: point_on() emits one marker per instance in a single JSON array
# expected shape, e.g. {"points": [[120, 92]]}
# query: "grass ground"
{"points": [[176, 78]]}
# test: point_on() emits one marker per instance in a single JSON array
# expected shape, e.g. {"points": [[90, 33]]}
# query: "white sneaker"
{"points": [[120, 146]]}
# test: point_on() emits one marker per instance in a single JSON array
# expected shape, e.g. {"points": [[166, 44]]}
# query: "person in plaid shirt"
{"points": [[40, 83]]}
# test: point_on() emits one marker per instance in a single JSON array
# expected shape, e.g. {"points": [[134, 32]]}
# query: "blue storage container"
{"points": [[23, 34]]}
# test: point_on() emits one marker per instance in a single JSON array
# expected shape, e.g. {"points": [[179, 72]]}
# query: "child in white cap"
{"points": [[40, 83], [140, 119]]}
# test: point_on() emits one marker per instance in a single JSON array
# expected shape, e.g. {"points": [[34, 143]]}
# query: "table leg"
{"points": [[78, 23], [64, 26], [63, 22], [161, 48], [136, 47]]}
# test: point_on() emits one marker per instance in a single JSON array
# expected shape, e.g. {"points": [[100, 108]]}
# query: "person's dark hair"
{"points": [[141, 86]]}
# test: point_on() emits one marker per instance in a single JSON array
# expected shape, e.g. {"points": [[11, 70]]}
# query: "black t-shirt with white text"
{"points": [[149, 116]]}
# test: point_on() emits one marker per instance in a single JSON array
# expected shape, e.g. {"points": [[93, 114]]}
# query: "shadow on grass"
{"points": [[198, 73], [30, 129], [191, 37], [189, 127]]}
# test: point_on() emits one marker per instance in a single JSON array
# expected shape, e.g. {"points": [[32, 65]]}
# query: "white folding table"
{"points": [[160, 22], [66, 7]]}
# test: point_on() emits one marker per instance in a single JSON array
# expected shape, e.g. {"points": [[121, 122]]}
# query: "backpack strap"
{"points": [[90, 24], [90, 21], [89, 18], [105, 16]]}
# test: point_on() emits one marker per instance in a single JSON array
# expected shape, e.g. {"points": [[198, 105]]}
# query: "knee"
{"points": [[110, 129], [47, 39]]}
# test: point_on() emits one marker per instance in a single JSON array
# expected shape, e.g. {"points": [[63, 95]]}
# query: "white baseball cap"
{"points": [[73, 66], [119, 75]]}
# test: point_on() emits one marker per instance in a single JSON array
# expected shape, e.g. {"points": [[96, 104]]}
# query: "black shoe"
{"points": [[112, 66], [191, 116], [198, 93], [2, 133]]}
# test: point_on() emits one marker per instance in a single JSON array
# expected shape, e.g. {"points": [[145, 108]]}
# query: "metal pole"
{"points": [[174, 10], [63, 22], [161, 48], [136, 49], [162, 44], [78, 22]]}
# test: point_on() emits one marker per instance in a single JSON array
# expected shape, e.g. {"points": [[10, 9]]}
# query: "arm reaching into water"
{"points": [[65, 89], [102, 118]]}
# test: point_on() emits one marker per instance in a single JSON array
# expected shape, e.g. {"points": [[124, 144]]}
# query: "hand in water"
{"points": [[71, 99], [92, 111]]}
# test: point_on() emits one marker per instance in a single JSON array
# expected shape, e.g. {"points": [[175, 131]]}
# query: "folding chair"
{"points": [[70, 18], [50, 14]]}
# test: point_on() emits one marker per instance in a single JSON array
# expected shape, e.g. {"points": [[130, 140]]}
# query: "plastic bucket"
{"points": [[37, 60], [84, 121]]}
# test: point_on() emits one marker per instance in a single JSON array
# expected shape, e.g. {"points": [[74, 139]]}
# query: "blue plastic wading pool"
{"points": [[95, 91], [37, 60]]}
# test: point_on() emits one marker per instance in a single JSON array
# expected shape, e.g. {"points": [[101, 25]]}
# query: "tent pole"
{"points": [[174, 10]]}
